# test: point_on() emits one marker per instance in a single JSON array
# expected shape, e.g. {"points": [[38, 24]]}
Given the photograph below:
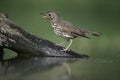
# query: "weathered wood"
{"points": [[15, 38]]}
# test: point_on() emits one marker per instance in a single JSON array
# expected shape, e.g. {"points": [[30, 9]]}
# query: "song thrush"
{"points": [[65, 29]]}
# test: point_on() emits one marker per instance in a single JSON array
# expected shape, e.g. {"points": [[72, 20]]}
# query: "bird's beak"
{"points": [[45, 17]]}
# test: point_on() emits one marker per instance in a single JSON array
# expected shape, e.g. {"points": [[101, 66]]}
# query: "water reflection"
{"points": [[65, 74], [19, 68]]}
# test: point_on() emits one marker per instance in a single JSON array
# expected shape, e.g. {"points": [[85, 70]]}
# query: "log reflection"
{"points": [[18, 68]]}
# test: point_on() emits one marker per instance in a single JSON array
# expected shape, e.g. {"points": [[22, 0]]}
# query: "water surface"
{"points": [[51, 68]]}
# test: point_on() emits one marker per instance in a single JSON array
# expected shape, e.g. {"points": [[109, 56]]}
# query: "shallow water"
{"points": [[51, 68]]}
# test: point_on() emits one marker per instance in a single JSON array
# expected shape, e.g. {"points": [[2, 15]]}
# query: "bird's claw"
{"points": [[65, 50]]}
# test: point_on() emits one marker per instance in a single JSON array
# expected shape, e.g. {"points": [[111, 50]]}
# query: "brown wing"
{"points": [[72, 29]]}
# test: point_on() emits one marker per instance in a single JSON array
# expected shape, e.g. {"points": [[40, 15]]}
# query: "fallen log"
{"points": [[24, 43]]}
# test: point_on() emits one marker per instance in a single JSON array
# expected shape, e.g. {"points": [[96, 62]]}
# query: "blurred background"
{"points": [[95, 15]]}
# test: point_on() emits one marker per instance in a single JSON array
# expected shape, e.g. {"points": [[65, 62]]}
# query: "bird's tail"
{"points": [[95, 33]]}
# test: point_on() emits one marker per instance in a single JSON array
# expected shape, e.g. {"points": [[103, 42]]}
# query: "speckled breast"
{"points": [[58, 30]]}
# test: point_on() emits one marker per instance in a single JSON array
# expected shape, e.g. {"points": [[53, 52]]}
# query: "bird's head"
{"points": [[52, 16]]}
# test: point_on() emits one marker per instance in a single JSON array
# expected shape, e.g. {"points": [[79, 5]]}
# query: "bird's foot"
{"points": [[65, 50]]}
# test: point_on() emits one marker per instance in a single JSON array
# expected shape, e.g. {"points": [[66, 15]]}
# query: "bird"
{"points": [[66, 29]]}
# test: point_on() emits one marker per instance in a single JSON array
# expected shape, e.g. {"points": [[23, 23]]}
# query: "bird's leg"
{"points": [[66, 49], [60, 44]]}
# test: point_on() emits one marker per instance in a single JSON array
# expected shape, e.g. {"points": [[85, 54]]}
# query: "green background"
{"points": [[96, 15]]}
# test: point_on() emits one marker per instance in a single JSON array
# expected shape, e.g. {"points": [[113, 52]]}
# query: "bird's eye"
{"points": [[49, 14]]}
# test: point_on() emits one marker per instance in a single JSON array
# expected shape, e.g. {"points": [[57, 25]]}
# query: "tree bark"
{"points": [[24, 43]]}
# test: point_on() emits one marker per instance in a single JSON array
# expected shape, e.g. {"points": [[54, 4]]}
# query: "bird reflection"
{"points": [[64, 74]]}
